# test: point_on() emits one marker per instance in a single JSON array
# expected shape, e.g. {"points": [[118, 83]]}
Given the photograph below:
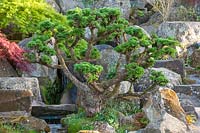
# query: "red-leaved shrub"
{"points": [[13, 53]]}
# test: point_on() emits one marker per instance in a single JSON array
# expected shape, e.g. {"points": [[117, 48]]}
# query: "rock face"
{"points": [[187, 33], [53, 4], [42, 72], [165, 113], [145, 82], [195, 58], [173, 65], [19, 83], [190, 90], [66, 5], [108, 59], [6, 70], [123, 5], [15, 100], [25, 120]]}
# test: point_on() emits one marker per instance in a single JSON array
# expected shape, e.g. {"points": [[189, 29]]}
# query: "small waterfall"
{"points": [[72, 90]]}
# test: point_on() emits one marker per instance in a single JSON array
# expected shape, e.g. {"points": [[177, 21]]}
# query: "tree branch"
{"points": [[97, 87], [91, 42], [118, 78], [81, 86]]}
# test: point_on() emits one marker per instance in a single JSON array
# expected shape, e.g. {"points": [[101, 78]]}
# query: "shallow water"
{"points": [[55, 127]]}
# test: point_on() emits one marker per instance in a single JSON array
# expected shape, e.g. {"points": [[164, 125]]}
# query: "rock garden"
{"points": [[99, 66]]}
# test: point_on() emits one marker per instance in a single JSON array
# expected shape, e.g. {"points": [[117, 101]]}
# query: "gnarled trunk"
{"points": [[91, 101]]}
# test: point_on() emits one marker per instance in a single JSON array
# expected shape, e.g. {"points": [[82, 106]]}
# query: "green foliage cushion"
{"points": [[23, 16], [90, 70]]}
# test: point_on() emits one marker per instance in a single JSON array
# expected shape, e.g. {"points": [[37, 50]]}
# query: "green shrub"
{"points": [[14, 128], [51, 92], [19, 18], [77, 122], [124, 106]]}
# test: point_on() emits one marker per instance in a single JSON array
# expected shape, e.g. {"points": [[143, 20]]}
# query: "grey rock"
{"points": [[195, 58], [123, 5], [151, 29], [23, 43], [143, 30], [188, 107], [145, 82], [109, 59], [186, 32], [19, 83], [66, 5], [6, 69], [103, 47], [173, 65], [40, 71], [123, 87], [161, 113], [191, 90], [195, 101], [53, 4]]}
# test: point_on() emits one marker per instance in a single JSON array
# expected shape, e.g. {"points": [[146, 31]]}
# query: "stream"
{"points": [[55, 127], [54, 124]]}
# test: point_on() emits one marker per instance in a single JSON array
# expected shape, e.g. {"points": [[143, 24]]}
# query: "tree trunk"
{"points": [[90, 101]]}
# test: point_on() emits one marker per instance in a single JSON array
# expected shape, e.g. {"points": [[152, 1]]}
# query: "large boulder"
{"points": [[15, 100], [165, 113], [109, 59], [53, 4], [19, 83], [123, 5], [195, 58], [145, 82], [25, 120], [6, 69], [187, 33], [66, 5], [176, 65], [43, 73]]}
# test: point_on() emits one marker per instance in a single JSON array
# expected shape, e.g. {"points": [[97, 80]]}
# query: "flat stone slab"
{"points": [[52, 110], [15, 100], [191, 90], [20, 83], [173, 65]]}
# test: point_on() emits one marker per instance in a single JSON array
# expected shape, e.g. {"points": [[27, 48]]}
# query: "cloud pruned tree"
{"points": [[73, 48]]}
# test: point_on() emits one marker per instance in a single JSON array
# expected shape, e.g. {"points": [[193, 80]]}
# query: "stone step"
{"points": [[193, 89], [20, 83], [52, 110]]}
